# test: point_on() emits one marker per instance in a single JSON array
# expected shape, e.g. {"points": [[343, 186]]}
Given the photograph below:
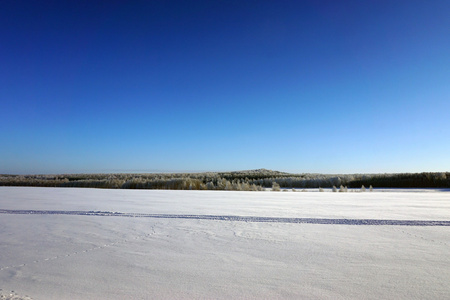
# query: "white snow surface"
{"points": [[53, 256]]}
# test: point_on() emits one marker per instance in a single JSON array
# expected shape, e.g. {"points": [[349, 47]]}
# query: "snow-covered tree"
{"points": [[210, 186], [275, 187]]}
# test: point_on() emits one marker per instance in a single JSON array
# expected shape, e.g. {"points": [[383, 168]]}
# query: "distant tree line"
{"points": [[253, 180]]}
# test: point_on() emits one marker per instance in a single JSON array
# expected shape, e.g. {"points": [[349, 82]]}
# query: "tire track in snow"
{"points": [[234, 218]]}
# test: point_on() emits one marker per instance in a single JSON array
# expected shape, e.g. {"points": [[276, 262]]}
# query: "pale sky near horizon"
{"points": [[162, 86]]}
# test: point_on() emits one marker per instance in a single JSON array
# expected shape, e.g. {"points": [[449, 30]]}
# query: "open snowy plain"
{"points": [[63, 243]]}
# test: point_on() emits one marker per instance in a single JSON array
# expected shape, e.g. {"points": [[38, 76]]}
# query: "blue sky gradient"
{"points": [[162, 86]]}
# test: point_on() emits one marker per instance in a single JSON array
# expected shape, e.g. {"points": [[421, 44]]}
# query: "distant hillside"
{"points": [[260, 172]]}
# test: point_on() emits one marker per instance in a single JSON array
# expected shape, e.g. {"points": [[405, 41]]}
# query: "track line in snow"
{"points": [[421, 237], [234, 218]]}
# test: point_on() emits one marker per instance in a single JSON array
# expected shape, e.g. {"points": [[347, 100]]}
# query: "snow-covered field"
{"points": [[150, 244]]}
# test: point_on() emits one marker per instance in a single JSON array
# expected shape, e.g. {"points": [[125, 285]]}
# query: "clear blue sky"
{"points": [[297, 86]]}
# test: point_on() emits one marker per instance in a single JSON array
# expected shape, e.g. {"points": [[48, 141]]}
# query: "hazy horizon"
{"points": [[212, 171]]}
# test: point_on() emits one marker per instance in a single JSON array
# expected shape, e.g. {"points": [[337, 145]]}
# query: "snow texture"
{"points": [[126, 244]]}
